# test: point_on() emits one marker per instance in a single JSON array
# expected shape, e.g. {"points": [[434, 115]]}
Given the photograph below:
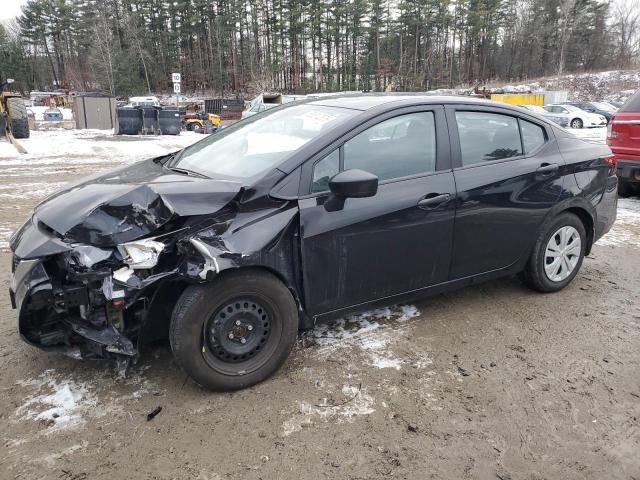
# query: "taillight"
{"points": [[613, 163], [611, 130]]}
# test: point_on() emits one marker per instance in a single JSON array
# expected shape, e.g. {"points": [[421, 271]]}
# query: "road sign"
{"points": [[176, 88], [175, 77]]}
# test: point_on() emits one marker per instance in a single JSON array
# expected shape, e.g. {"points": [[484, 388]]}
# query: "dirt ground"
{"points": [[490, 382]]}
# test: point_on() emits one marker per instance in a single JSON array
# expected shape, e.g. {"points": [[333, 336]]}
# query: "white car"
{"points": [[143, 102], [578, 118], [560, 119]]}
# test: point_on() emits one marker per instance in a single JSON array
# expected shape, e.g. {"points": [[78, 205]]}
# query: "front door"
{"points": [[394, 242]]}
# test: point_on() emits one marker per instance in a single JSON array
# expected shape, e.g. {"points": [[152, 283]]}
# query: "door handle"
{"points": [[548, 168], [433, 200]]}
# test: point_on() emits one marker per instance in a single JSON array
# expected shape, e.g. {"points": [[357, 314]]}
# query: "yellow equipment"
{"points": [[15, 121], [519, 98], [197, 122]]}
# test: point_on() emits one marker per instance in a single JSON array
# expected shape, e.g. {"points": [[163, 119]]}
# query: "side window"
{"points": [[401, 146], [324, 170], [487, 136], [533, 136]]}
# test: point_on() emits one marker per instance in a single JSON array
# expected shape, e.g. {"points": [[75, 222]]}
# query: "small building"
{"points": [[95, 111]]}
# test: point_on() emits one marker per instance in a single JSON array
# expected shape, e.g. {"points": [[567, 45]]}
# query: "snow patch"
{"points": [[626, 229], [373, 332], [61, 406], [356, 403]]}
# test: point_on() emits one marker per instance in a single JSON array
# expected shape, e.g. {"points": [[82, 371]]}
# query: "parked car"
{"points": [[599, 108], [578, 117], [52, 115], [558, 118], [257, 108], [623, 136], [300, 214]]}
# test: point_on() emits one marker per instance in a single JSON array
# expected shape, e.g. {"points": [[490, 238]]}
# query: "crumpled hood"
{"points": [[128, 203]]}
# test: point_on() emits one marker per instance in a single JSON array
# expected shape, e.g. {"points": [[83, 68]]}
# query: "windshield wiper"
{"points": [[190, 173]]}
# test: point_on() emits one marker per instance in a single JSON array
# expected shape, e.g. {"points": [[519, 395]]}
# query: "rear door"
{"points": [[507, 172], [394, 242]]}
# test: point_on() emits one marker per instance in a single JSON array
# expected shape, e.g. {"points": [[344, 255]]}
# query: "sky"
{"points": [[10, 8]]}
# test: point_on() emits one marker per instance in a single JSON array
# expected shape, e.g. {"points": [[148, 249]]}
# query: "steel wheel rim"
{"points": [[562, 254], [226, 354]]}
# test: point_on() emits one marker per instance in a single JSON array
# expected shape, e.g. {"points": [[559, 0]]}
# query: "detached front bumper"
{"points": [[65, 318]]}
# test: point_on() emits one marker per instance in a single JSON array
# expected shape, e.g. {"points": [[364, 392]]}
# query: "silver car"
{"points": [[557, 118]]}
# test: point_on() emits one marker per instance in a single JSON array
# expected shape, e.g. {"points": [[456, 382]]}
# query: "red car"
{"points": [[623, 136]]}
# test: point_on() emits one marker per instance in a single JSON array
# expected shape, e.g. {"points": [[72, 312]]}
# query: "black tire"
{"points": [[18, 118], [212, 360], [196, 128], [576, 123], [534, 275], [625, 188]]}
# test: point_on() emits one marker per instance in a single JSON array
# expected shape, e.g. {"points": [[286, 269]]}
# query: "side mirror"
{"points": [[354, 183]]}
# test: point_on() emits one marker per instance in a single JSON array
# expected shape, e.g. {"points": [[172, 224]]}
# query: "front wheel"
{"points": [[234, 332], [576, 123], [557, 254]]}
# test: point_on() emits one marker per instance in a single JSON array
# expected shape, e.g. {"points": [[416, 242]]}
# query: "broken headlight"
{"points": [[141, 254]]}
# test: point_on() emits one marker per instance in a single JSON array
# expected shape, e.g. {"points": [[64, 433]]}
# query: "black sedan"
{"points": [[302, 213]]}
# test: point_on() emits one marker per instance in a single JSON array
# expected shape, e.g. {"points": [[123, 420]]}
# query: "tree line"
{"points": [[234, 46]]}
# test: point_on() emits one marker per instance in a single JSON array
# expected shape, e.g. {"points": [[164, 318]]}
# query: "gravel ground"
{"points": [[494, 381]]}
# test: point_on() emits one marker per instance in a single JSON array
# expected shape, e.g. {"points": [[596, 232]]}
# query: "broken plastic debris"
{"points": [[88, 256], [123, 274], [141, 254], [152, 415], [210, 262]]}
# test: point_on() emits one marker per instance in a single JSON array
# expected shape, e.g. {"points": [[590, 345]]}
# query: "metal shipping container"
{"points": [[94, 111], [519, 98]]}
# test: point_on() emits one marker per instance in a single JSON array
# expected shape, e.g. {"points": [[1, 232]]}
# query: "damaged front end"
{"points": [[87, 287], [77, 299]]}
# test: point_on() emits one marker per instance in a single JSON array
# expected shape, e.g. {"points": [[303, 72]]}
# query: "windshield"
{"points": [[261, 142], [603, 106]]}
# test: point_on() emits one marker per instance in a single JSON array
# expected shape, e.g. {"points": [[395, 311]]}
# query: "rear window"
{"points": [[487, 136], [632, 104]]}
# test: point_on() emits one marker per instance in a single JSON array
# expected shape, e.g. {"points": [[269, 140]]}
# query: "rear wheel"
{"points": [[576, 123], [557, 254], [18, 119], [235, 332]]}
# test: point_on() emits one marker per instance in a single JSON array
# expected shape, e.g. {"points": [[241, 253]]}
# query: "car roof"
{"points": [[365, 102]]}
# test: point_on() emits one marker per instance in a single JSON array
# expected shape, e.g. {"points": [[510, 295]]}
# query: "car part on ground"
{"points": [[230, 245], [623, 136]]}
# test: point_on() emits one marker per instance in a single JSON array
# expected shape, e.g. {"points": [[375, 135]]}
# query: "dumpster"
{"points": [[150, 125], [169, 121], [128, 121]]}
